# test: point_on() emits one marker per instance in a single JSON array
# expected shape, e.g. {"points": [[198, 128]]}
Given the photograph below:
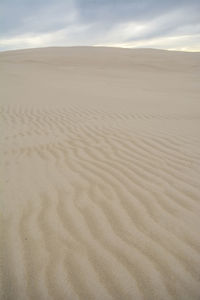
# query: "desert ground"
{"points": [[100, 174]]}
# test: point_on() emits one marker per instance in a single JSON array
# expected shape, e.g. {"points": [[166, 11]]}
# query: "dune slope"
{"points": [[100, 190]]}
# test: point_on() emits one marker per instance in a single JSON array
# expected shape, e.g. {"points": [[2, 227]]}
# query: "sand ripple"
{"points": [[99, 204]]}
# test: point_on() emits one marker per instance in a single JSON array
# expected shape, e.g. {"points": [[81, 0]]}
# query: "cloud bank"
{"points": [[121, 23]]}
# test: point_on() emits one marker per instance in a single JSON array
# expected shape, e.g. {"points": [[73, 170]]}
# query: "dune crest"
{"points": [[100, 174]]}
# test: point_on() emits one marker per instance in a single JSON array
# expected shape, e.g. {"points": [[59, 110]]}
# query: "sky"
{"points": [[161, 24]]}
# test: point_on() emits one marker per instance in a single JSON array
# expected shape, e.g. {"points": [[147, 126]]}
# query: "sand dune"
{"points": [[100, 190]]}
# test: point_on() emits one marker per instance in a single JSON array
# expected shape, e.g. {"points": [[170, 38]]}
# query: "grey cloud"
{"points": [[97, 20], [125, 10], [20, 16]]}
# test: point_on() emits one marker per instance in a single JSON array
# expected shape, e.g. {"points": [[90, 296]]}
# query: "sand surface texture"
{"points": [[100, 174]]}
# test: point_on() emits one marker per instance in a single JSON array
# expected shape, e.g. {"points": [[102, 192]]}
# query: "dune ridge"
{"points": [[100, 174]]}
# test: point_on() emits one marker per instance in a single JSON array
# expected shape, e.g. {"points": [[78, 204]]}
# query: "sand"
{"points": [[100, 174]]}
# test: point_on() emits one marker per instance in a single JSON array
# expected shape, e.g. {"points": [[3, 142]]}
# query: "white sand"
{"points": [[100, 177]]}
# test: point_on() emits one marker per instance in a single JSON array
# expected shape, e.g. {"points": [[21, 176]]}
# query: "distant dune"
{"points": [[100, 174]]}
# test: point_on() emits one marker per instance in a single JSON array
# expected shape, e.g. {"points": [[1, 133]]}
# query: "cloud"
{"points": [[131, 23], [55, 38]]}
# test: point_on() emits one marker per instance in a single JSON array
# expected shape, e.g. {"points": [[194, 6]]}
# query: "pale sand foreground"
{"points": [[100, 177]]}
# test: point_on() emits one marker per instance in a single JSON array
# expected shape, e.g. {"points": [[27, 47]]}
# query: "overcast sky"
{"points": [[164, 24]]}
